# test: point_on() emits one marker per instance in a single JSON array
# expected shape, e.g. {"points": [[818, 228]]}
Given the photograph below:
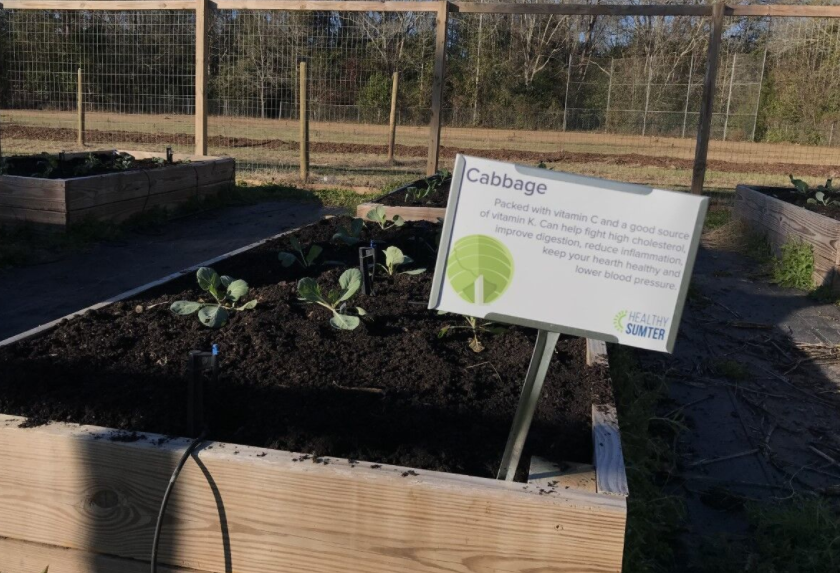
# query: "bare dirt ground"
{"points": [[355, 154]]}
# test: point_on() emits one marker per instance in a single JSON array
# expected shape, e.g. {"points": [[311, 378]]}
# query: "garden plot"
{"points": [[54, 191], [422, 200], [399, 413], [797, 214]]}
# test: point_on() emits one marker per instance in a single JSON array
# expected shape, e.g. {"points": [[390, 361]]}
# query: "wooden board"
{"points": [[71, 486], [782, 222], [20, 215], [408, 213]]}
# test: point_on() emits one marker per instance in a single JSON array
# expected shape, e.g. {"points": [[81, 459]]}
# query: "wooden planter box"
{"points": [[75, 500], [57, 203], [782, 222], [408, 213]]}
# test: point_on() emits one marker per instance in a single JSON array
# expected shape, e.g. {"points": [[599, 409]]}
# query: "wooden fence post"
{"points": [[304, 125], [392, 133], [80, 109], [201, 8], [441, 23], [704, 129]]}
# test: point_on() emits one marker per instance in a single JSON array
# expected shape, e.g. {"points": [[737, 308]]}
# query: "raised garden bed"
{"points": [[400, 432], [47, 192], [774, 213], [412, 202]]}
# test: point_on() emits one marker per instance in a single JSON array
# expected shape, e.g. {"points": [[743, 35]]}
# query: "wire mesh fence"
{"points": [[611, 96]]}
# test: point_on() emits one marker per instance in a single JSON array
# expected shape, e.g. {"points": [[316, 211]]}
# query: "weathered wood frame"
{"points": [[408, 213], [57, 203], [79, 502], [442, 9], [781, 222]]}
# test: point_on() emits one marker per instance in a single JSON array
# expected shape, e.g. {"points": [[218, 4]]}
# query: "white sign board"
{"points": [[567, 253]]}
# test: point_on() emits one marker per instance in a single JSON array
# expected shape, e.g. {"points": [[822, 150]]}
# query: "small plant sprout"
{"points": [[304, 259], [394, 258], [226, 292], [379, 217], [350, 235], [335, 300], [801, 186], [416, 193], [476, 327]]}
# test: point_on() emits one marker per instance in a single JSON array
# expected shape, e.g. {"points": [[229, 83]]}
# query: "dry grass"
{"points": [[365, 169]]}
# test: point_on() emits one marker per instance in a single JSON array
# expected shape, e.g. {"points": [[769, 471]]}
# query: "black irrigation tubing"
{"points": [[190, 449]]}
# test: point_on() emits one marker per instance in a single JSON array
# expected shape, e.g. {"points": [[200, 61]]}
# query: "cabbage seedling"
{"points": [[379, 217], [394, 258], [415, 193], [475, 327], [226, 292], [335, 300], [350, 235], [305, 260]]}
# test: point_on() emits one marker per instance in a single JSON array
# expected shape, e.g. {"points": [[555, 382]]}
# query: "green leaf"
{"points": [[344, 321], [361, 311], [251, 304], [377, 214], [237, 290], [394, 256], [226, 280], [309, 290], [350, 281], [414, 272], [345, 238], [208, 279], [213, 316], [442, 332], [295, 242], [185, 307], [356, 226], [314, 251], [399, 221], [286, 259]]}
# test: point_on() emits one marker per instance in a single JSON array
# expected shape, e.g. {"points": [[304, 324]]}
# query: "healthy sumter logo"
{"points": [[480, 268], [641, 324], [618, 321]]}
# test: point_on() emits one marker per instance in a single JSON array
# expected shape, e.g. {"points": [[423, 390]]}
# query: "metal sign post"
{"points": [[537, 369]]}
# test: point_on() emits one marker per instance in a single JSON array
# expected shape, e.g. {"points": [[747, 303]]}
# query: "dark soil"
{"points": [[789, 195], [46, 166], [410, 196], [390, 391], [516, 155]]}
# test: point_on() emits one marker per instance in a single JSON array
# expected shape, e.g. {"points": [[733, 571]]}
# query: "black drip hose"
{"points": [[190, 449]]}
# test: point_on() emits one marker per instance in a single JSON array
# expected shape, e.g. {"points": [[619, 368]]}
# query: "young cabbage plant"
{"points": [[800, 185], [226, 292], [379, 217], [417, 194], [335, 300], [350, 235], [476, 327], [394, 258], [825, 199], [304, 259]]}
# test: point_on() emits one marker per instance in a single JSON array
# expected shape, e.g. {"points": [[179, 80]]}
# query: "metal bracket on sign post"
{"points": [[537, 369], [367, 266]]}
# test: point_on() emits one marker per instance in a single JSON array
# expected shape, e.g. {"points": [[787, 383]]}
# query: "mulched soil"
{"points": [[516, 155], [46, 166], [390, 391], [791, 196], [406, 198]]}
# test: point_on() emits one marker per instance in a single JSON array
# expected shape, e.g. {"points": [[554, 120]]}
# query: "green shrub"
{"points": [[795, 268]]}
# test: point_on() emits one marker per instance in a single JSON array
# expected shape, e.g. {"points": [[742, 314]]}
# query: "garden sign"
{"points": [[564, 254]]}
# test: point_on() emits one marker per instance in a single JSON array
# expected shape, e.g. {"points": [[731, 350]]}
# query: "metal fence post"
{"points": [[729, 97], [441, 23], [760, 86], [688, 94], [566, 102], [704, 129], [609, 96]]}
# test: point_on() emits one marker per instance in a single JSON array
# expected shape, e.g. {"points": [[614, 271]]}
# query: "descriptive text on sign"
{"points": [[567, 253]]}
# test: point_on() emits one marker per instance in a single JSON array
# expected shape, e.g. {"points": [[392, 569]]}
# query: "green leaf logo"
{"points": [[480, 268], [618, 321]]}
